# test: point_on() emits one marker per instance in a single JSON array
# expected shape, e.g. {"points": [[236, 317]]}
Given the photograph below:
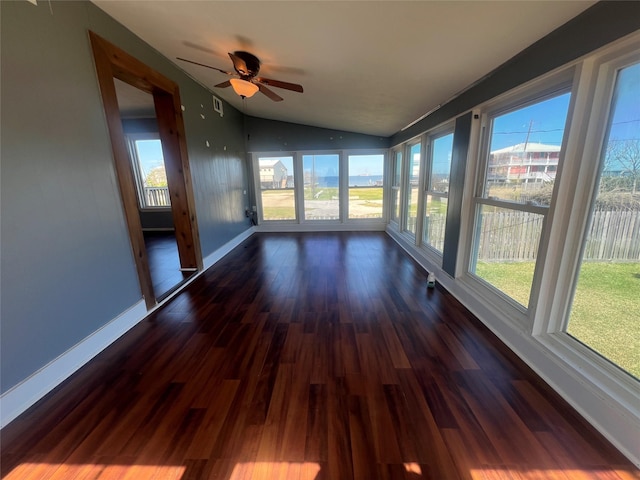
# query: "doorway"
{"points": [[113, 66]]}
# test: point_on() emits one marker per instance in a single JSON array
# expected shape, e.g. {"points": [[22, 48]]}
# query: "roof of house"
{"points": [[528, 147], [269, 163]]}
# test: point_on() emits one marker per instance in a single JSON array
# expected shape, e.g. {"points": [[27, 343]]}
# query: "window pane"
{"points": [[395, 187], [365, 186], [441, 164], [321, 187], [506, 249], [435, 221], [412, 191], [152, 174], [524, 152], [277, 188], [605, 314], [435, 213]]}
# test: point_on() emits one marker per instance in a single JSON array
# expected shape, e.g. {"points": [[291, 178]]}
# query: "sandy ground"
{"points": [[325, 208]]}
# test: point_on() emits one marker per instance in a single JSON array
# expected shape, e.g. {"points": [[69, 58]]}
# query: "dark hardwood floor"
{"points": [[308, 357], [164, 262]]}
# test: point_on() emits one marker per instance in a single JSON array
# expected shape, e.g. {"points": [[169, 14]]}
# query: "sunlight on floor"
{"points": [[537, 473], [413, 468], [275, 471], [87, 470]]}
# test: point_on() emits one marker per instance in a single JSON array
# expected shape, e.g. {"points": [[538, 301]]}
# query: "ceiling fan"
{"points": [[247, 66]]}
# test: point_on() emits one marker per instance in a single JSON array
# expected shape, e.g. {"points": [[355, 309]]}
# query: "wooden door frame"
{"points": [[112, 62]]}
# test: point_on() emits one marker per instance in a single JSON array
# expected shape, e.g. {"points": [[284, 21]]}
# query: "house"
{"points": [[524, 163], [70, 279], [273, 174]]}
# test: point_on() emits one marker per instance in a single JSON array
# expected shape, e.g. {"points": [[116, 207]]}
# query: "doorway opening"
{"points": [[127, 85]]}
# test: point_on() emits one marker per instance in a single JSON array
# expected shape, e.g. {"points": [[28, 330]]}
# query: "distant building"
{"points": [[524, 163], [273, 174]]}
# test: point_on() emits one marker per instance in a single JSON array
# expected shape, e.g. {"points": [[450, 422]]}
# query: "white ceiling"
{"points": [[366, 66]]}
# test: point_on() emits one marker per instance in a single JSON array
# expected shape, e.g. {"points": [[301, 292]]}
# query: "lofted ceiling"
{"points": [[369, 67]]}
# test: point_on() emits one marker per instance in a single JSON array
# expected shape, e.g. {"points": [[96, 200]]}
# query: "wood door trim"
{"points": [[112, 62]]}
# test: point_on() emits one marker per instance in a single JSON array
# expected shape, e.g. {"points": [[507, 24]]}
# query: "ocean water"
{"points": [[355, 181]]}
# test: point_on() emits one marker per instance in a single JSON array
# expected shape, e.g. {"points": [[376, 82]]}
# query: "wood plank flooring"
{"points": [[164, 263], [316, 356]]}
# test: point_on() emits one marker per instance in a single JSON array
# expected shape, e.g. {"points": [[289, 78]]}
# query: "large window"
{"points": [[413, 190], [522, 150], [277, 188], [605, 314], [366, 173], [149, 171], [321, 186], [437, 190]]}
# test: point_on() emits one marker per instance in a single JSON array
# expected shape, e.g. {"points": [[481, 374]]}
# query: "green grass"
{"points": [[366, 193], [606, 307], [320, 193], [513, 278]]}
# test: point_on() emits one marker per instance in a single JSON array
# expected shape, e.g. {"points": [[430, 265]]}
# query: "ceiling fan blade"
{"points": [[277, 83], [269, 93], [203, 65], [223, 84], [239, 64]]}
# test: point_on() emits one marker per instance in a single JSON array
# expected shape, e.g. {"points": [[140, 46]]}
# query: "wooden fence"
{"points": [[157, 196], [514, 236], [614, 236]]}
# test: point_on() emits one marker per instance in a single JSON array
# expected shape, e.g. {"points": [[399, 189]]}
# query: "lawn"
{"points": [[606, 307]]}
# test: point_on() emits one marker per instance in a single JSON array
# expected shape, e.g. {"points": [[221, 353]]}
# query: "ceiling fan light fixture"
{"points": [[243, 87]]}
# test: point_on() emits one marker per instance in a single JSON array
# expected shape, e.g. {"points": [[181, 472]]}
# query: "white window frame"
{"points": [[302, 224], [556, 83], [431, 136], [258, 187], [406, 200], [131, 139], [396, 222], [385, 177], [577, 188], [341, 187]]}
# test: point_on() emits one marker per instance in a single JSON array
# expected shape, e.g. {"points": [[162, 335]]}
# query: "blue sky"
{"points": [[542, 122], [327, 164], [626, 111], [150, 154]]}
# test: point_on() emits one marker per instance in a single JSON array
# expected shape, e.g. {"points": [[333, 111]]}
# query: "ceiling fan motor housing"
{"points": [[251, 62]]}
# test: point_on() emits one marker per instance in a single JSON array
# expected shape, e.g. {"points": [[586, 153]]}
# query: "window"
{"points": [[437, 191], [396, 186], [413, 190], [321, 186], [149, 171], [366, 173], [605, 312], [513, 198], [277, 188]]}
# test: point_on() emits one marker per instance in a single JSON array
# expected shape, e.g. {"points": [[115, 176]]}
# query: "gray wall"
{"points": [[274, 136], [66, 262]]}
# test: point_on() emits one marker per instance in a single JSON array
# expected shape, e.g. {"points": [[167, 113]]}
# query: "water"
{"points": [[355, 181]]}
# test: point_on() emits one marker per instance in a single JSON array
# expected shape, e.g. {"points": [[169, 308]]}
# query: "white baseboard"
{"points": [[226, 248], [19, 398]]}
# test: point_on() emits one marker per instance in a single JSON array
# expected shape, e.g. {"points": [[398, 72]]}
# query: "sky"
{"points": [[150, 154], [542, 122], [327, 165], [626, 110]]}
